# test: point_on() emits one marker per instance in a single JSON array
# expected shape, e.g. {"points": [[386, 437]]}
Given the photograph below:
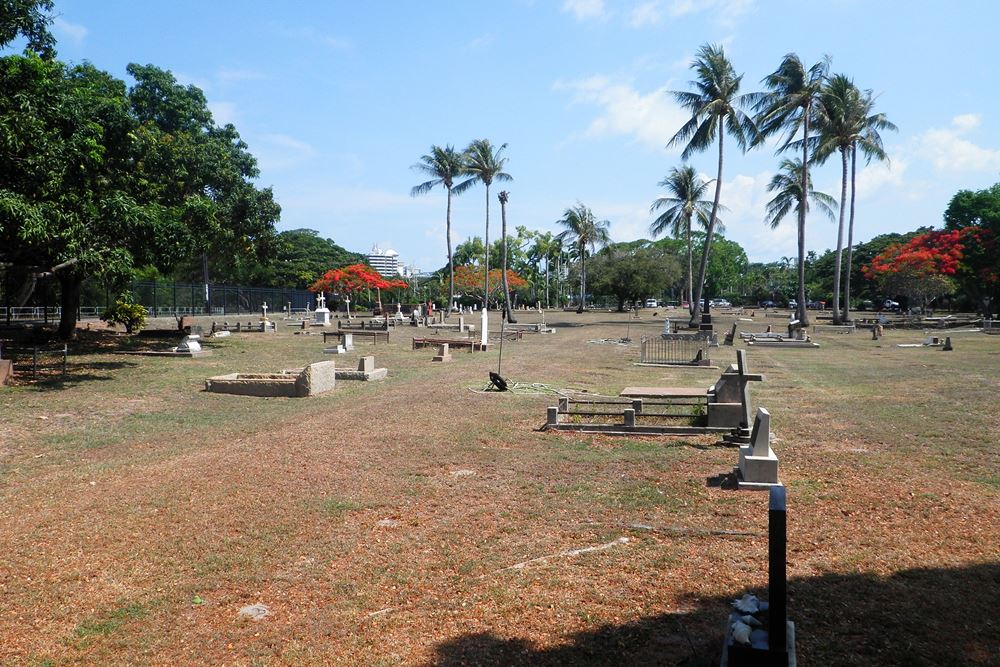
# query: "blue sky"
{"points": [[338, 100]]}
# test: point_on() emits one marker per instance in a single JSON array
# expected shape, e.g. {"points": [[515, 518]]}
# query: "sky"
{"points": [[337, 100]]}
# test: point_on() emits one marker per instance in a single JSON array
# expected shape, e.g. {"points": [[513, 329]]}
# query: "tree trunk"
{"points": [[583, 280], [850, 240], [690, 281], [486, 284], [503, 242], [703, 266], [547, 304], [70, 283], [204, 275], [840, 238], [803, 203], [451, 262]]}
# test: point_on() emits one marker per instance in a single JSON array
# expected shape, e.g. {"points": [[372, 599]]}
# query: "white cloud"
{"points": [[948, 150], [280, 151], [876, 177], [72, 32], [651, 118], [585, 9], [646, 13], [724, 12]]}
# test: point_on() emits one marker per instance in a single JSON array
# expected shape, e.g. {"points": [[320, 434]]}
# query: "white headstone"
{"points": [[189, 344], [263, 311], [484, 322]]}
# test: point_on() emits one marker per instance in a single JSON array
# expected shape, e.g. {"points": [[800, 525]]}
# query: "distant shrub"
{"points": [[127, 312]]}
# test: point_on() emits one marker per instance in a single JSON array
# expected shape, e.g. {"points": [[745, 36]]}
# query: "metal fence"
{"points": [[674, 349]]}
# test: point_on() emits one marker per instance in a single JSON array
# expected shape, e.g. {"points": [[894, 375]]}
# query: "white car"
{"points": [[652, 303], [720, 303]]}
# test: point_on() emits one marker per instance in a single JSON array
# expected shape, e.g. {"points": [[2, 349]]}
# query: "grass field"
{"points": [[420, 520]]}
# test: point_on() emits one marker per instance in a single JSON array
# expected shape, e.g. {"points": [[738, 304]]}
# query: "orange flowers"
{"points": [[354, 278]]}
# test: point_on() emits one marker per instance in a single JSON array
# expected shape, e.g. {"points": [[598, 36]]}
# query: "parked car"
{"points": [[720, 303], [652, 303], [816, 305], [889, 304], [792, 303], [768, 304]]}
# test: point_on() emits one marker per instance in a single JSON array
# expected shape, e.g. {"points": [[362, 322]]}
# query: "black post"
{"points": [[776, 569]]}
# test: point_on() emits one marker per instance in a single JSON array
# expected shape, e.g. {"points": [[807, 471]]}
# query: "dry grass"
{"points": [[139, 513]]}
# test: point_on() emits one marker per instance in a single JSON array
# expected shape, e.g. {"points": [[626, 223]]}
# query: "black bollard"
{"points": [[776, 570]]}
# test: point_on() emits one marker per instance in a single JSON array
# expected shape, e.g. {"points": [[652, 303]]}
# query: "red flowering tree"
{"points": [[353, 279], [924, 267], [469, 280]]}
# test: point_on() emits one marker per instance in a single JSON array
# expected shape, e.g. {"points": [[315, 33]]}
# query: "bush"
{"points": [[126, 312]]}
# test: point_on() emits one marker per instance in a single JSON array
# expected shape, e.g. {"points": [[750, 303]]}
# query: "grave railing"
{"points": [[688, 349]]}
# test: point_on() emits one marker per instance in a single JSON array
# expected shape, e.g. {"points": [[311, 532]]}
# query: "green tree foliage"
{"points": [[630, 273], [979, 274], [302, 256], [585, 232], [98, 180], [29, 19]]}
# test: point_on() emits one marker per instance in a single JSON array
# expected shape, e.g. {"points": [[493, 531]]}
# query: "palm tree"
{"points": [[686, 189], [443, 165], [506, 288], [484, 164], [847, 123], [716, 108], [787, 183], [544, 248], [584, 231], [790, 104]]}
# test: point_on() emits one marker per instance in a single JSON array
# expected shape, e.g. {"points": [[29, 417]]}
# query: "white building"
{"points": [[386, 262]]}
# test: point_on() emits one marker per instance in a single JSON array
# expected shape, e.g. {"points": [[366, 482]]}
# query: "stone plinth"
{"points": [[484, 323], [758, 466], [443, 353], [366, 371], [296, 383]]}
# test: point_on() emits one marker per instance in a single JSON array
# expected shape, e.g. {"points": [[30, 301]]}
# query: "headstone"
{"points": [[443, 353], [552, 416], [484, 322], [366, 364], [347, 341], [322, 314], [666, 326], [629, 418], [461, 323], [189, 344], [263, 312], [947, 345], [758, 465]]}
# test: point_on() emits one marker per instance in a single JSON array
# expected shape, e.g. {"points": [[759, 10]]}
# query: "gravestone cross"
{"points": [[263, 308]]}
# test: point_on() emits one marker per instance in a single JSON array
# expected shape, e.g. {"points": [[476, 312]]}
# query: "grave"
{"points": [[758, 464], [293, 383], [706, 318], [730, 336], [678, 349], [768, 639], [366, 371], [443, 353], [321, 316], [189, 346], [730, 402]]}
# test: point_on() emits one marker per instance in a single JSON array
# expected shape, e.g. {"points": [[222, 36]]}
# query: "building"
{"points": [[386, 262]]}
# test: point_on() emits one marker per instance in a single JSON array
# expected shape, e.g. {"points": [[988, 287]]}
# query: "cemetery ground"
{"points": [[420, 520]]}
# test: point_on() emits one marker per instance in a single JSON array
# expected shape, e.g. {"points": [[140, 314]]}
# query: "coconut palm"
{"points": [[483, 164], [716, 108], [685, 189], [544, 248], [443, 165], [584, 231], [847, 123], [787, 184], [789, 105]]}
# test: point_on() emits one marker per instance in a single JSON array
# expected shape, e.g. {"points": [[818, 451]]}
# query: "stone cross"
{"points": [[263, 308], [320, 301]]}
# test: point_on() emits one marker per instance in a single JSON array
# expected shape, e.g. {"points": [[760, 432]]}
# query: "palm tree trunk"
{"points": [[696, 295], [547, 304], [840, 238], [451, 262], [850, 239], [690, 276], [503, 239], [803, 202], [583, 279], [486, 283]]}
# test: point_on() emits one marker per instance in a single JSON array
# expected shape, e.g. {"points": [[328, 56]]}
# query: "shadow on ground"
{"points": [[49, 379], [918, 617]]}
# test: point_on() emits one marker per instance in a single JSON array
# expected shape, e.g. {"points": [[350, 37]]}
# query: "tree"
{"points": [[977, 215], [353, 279], [789, 105], [503, 238], [29, 19], [716, 108], [302, 256], [684, 201], [846, 123], [584, 231], [468, 278], [443, 165], [545, 248], [484, 164], [923, 267], [629, 272], [787, 184]]}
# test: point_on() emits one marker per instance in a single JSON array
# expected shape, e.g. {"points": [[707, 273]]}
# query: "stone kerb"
{"points": [[296, 383]]}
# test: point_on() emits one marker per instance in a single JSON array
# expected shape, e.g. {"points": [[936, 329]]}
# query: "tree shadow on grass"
{"points": [[49, 379], [919, 617]]}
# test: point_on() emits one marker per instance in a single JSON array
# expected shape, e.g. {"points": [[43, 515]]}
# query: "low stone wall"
{"points": [[295, 383]]}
